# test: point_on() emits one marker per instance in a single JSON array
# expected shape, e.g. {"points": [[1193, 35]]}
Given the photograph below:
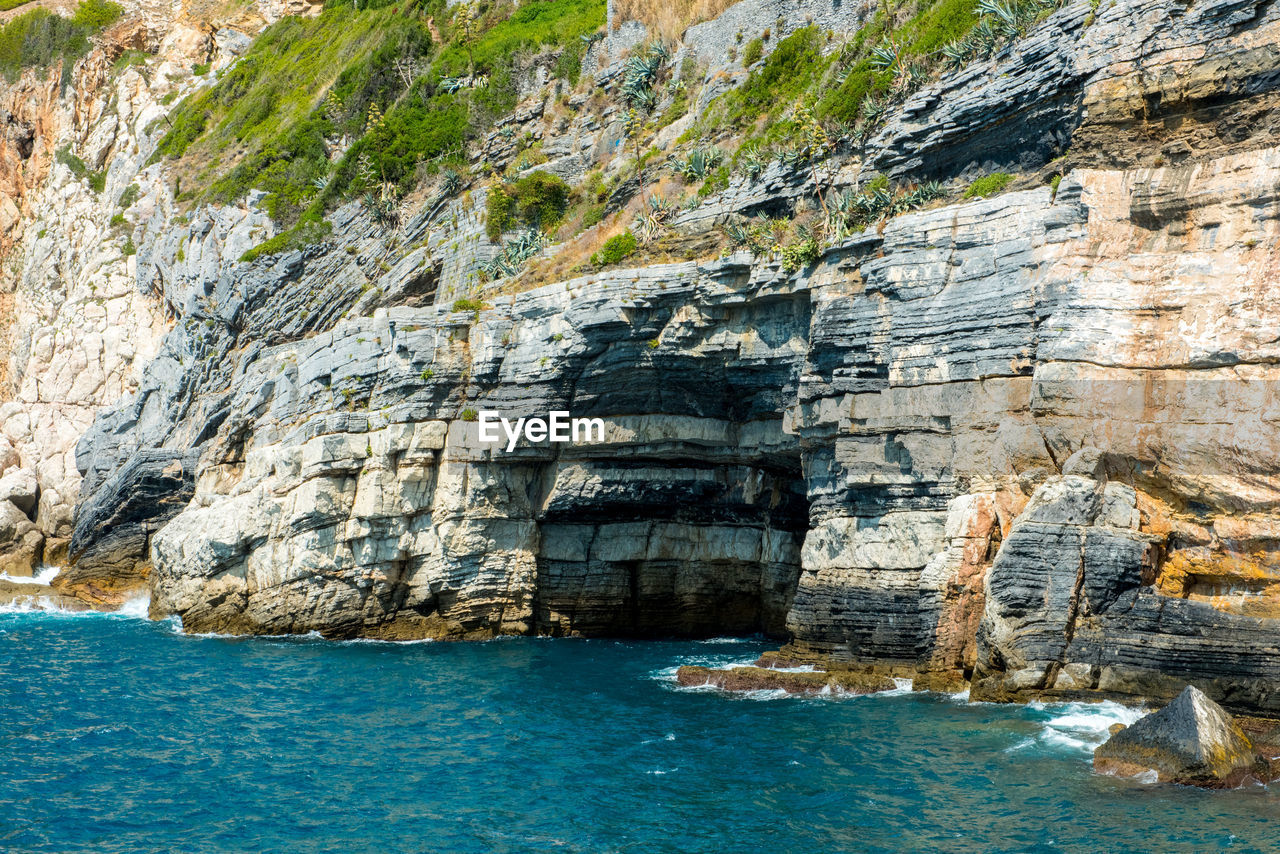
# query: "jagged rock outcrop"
{"points": [[80, 322], [1191, 741], [1120, 84]]}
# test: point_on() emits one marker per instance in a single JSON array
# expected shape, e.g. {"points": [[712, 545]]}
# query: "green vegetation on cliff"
{"points": [[536, 200], [360, 101], [39, 39]]}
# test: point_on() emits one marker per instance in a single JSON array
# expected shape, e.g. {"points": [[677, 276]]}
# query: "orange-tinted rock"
{"points": [[791, 681]]}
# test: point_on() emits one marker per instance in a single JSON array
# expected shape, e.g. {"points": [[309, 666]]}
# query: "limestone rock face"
{"points": [[20, 488], [1026, 443], [78, 325], [1190, 741]]}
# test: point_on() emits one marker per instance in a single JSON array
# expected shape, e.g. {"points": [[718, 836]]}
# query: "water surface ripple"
{"points": [[121, 735]]}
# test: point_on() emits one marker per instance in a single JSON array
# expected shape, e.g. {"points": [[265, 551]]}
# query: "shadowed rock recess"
{"points": [[1025, 443]]}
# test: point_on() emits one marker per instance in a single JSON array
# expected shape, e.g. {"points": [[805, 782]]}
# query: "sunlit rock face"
{"points": [[1025, 443]]}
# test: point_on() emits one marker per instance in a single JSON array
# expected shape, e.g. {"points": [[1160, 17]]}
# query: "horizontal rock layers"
{"points": [[1023, 441], [1026, 443]]}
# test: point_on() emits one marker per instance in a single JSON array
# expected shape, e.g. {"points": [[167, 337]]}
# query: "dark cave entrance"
{"points": [[673, 549]]}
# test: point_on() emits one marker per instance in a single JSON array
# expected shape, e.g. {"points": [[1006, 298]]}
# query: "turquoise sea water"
{"points": [[122, 735]]}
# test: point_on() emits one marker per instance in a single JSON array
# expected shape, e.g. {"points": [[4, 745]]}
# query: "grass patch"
{"points": [[788, 72], [988, 185], [301, 235]]}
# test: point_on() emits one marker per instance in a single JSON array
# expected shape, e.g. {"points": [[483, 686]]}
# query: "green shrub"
{"points": [[75, 164], [470, 414], [537, 200], [753, 51], [263, 113], [785, 75], [305, 233], [498, 212], [128, 248], [535, 24], [417, 129], [593, 216], [306, 80], [469, 305], [118, 220], [935, 24], [569, 63], [988, 185], [96, 14], [200, 69], [615, 249], [716, 182]]}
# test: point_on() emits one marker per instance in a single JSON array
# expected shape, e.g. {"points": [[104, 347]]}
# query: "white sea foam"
{"points": [[717, 662], [134, 609], [1022, 745], [766, 694], [1082, 726], [43, 576], [35, 605], [137, 608]]}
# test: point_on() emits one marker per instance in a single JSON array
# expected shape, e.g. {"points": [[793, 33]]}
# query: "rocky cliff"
{"points": [[1024, 442]]}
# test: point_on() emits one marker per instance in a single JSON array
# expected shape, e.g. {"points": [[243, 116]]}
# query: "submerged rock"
{"points": [[791, 681], [1190, 741]]}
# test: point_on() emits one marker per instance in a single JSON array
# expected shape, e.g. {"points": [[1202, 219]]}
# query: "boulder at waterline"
{"points": [[1192, 741]]}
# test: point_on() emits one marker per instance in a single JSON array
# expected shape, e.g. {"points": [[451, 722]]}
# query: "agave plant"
{"points": [[917, 75], [886, 55], [517, 250], [450, 183], [652, 220], [931, 190], [383, 205], [956, 54], [752, 162], [639, 74], [698, 164], [791, 157], [1004, 16], [739, 235], [873, 109], [758, 236]]}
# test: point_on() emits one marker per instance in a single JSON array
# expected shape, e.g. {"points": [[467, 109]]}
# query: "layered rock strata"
{"points": [[1025, 443]]}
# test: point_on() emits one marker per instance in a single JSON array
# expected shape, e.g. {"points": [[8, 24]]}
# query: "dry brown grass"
{"points": [[668, 18]]}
